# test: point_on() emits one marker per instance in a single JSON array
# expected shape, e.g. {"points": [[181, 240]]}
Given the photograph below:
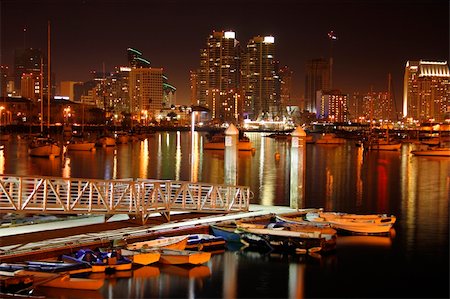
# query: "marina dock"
{"points": [[50, 239]]}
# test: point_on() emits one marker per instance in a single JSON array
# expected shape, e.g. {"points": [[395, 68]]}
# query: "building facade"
{"points": [[317, 78], [332, 106], [426, 91], [260, 80], [218, 76], [146, 92]]}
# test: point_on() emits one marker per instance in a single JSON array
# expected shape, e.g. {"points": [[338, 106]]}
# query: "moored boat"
{"points": [[105, 141], [286, 237], [383, 145], [177, 242], [354, 223], [111, 260], [205, 242], [180, 257], [142, 257], [227, 231], [80, 145], [44, 147], [433, 152], [330, 138]]}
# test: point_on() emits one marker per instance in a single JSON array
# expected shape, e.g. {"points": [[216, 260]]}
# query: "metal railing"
{"points": [[138, 198]]}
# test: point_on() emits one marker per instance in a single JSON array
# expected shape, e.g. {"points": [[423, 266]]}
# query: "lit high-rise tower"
{"points": [[259, 79], [218, 76], [426, 93]]}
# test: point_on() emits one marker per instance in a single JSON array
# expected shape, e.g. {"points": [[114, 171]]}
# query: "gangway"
{"points": [[136, 197]]}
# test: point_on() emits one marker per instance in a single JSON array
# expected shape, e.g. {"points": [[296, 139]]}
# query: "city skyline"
{"points": [[86, 34]]}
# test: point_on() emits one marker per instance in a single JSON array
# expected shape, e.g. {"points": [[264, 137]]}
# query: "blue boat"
{"points": [[227, 232], [205, 242]]}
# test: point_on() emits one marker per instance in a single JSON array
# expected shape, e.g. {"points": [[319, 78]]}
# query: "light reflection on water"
{"points": [[341, 178]]}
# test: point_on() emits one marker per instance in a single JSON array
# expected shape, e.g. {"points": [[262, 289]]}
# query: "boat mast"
{"points": [[390, 102], [41, 94], [49, 87]]}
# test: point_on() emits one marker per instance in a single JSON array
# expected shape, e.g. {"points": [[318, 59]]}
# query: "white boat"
{"points": [[44, 147], [330, 138], [80, 145], [105, 141], [218, 143], [433, 151], [383, 145], [354, 223]]}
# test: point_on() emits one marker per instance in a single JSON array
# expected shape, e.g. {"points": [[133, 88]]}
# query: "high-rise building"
{"points": [[146, 91], [332, 106], [28, 61], [193, 79], [4, 79], [286, 74], [30, 86], [259, 79], [426, 90], [218, 76], [317, 78]]}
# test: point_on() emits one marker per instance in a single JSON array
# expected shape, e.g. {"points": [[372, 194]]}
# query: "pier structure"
{"points": [[136, 197]]}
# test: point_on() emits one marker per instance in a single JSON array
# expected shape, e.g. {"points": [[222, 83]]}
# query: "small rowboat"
{"points": [[204, 242], [178, 242], [355, 223], [142, 257], [227, 231], [179, 257]]}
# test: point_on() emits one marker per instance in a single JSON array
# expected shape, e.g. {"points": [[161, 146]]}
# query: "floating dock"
{"points": [[44, 240]]}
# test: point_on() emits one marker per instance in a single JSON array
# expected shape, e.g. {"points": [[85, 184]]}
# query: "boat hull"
{"points": [[182, 257], [228, 233], [353, 223], [50, 150], [178, 242], [436, 152], [81, 146], [141, 258]]}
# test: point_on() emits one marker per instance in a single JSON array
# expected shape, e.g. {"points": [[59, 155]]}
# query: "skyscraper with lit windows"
{"points": [[218, 76], [426, 90], [146, 91], [259, 79]]}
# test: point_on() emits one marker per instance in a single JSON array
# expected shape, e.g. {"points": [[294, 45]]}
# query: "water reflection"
{"points": [[341, 178]]}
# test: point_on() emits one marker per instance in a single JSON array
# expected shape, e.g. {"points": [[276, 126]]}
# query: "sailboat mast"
{"points": [[48, 78], [41, 93]]}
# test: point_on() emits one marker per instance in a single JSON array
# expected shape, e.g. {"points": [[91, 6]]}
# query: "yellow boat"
{"points": [[142, 257], [178, 242], [179, 257]]}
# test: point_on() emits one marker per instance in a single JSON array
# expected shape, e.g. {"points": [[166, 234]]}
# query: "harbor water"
{"points": [[412, 262]]}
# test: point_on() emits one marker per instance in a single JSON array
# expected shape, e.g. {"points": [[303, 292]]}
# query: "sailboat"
{"points": [[382, 144], [44, 146], [106, 139], [76, 144]]}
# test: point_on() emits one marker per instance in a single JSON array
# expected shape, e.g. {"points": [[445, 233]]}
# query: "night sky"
{"points": [[374, 37]]}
